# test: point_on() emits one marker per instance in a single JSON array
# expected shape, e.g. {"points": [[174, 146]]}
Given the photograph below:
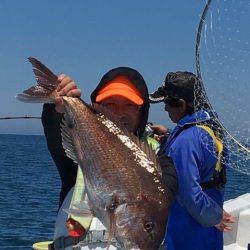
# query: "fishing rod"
{"points": [[19, 117]]}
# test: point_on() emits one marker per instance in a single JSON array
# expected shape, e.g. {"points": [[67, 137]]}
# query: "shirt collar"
{"points": [[198, 116]]}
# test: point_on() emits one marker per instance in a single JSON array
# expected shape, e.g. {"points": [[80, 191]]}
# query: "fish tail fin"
{"points": [[47, 82]]}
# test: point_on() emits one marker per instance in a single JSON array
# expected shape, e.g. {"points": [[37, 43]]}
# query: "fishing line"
{"points": [[19, 117]]}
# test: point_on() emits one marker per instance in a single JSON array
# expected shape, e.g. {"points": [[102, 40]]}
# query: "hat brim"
{"points": [[158, 95], [153, 98], [118, 92]]}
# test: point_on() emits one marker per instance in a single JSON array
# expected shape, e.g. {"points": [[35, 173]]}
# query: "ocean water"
{"points": [[30, 188], [29, 191]]}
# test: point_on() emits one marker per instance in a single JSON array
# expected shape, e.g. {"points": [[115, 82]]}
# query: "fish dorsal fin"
{"points": [[44, 76], [67, 142]]}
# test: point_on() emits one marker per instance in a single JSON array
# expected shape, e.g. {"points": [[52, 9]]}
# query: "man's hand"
{"points": [[159, 132], [66, 87], [159, 129], [227, 218]]}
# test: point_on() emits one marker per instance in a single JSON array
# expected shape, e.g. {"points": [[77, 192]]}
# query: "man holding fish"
{"points": [[123, 181]]}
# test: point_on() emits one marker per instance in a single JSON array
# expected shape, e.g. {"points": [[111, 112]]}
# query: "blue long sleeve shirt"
{"points": [[195, 212]]}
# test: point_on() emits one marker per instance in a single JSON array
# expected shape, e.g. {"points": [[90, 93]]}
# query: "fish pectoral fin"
{"points": [[67, 142], [112, 228], [112, 219], [77, 212], [80, 209]]}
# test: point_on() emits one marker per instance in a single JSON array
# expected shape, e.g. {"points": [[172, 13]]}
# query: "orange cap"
{"points": [[120, 86]]}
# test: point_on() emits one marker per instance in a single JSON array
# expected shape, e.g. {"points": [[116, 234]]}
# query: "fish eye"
{"points": [[111, 208], [149, 226]]}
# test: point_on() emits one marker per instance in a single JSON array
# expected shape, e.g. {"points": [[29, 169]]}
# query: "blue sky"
{"points": [[85, 39]]}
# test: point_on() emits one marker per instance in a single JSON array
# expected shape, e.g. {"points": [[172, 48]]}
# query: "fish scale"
{"points": [[115, 162], [104, 172], [116, 166]]}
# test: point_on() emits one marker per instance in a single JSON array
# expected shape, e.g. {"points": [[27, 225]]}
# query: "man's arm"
{"points": [[67, 169], [51, 118]]}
